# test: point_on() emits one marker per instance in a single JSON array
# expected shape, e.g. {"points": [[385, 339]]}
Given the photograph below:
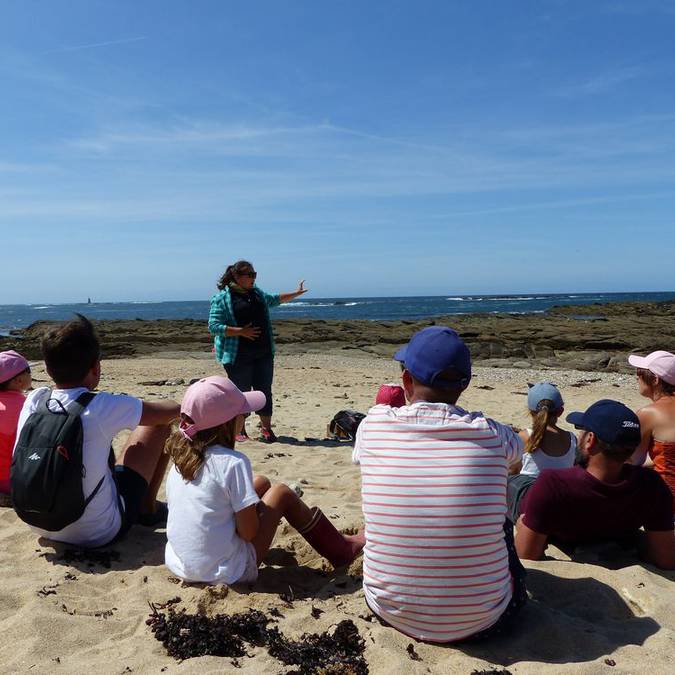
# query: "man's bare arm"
{"points": [[530, 545]]}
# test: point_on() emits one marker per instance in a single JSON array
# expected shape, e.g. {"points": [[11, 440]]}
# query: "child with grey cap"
{"points": [[547, 446]]}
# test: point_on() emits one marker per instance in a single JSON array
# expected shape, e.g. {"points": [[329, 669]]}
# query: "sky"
{"points": [[370, 148]]}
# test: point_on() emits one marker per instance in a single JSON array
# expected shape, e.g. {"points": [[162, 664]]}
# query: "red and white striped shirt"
{"points": [[433, 485]]}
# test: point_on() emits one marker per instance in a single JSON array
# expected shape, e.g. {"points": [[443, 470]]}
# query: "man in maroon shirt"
{"points": [[605, 500]]}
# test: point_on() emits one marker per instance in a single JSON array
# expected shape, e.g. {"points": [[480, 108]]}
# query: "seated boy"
{"points": [[128, 491], [607, 500]]}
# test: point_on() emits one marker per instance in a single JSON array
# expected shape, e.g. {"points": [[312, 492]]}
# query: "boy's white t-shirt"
{"points": [[102, 420], [203, 544]]}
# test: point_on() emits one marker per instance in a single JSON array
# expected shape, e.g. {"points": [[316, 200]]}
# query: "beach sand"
{"points": [[584, 616]]}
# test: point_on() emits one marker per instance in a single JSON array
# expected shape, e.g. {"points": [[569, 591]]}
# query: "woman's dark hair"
{"points": [[652, 379], [70, 350], [240, 267]]}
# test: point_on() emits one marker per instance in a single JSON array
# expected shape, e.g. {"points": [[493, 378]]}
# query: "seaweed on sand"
{"points": [[188, 635]]}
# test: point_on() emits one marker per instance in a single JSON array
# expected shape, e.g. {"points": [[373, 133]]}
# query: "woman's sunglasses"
{"points": [[253, 275]]}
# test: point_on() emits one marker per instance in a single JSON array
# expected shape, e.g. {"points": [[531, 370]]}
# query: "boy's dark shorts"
{"points": [[131, 489]]}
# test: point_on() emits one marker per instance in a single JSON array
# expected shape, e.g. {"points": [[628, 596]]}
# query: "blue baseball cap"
{"points": [[611, 421], [543, 391], [433, 350]]}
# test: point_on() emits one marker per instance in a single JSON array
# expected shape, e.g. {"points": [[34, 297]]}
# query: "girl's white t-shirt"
{"points": [[203, 544], [535, 462]]}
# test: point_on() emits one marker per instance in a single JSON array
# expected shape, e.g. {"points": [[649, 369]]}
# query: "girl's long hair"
{"points": [[228, 275], [189, 455], [544, 415]]}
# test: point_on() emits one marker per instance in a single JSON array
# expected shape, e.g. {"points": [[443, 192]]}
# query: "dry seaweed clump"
{"points": [[338, 654], [189, 635]]}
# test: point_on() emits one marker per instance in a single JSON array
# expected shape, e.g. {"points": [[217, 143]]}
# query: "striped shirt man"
{"points": [[433, 481]]}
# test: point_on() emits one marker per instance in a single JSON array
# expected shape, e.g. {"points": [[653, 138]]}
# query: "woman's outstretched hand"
{"points": [[300, 290]]}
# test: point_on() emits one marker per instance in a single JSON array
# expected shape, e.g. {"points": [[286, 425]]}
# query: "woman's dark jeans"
{"points": [[255, 374]]}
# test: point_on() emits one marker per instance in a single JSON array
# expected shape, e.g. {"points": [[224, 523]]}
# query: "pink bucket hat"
{"points": [[11, 364], [391, 394], [212, 401], [660, 363]]}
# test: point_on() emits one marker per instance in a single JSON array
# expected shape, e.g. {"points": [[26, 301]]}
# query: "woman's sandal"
{"points": [[267, 436]]}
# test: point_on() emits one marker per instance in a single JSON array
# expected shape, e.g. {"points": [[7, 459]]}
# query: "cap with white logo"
{"points": [[611, 421]]}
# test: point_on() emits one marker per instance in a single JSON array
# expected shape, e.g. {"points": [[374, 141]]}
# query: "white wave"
{"points": [[302, 305], [507, 311], [351, 304], [455, 298], [41, 307], [514, 298]]}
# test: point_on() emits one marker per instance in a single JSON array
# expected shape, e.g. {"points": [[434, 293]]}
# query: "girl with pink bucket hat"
{"points": [[15, 379], [222, 518]]}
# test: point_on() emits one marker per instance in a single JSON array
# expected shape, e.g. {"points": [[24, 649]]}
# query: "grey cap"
{"points": [[543, 391]]}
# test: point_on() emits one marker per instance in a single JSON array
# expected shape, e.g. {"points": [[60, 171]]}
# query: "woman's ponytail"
{"points": [[544, 415]]}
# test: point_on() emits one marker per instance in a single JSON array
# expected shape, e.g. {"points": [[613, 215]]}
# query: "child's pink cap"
{"points": [[660, 363], [391, 394], [11, 364], [212, 401]]}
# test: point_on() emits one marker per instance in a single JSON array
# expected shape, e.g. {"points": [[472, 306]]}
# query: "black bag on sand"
{"points": [[47, 469], [344, 424]]}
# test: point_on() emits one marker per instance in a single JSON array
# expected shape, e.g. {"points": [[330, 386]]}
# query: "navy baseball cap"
{"points": [[433, 350], [611, 421]]}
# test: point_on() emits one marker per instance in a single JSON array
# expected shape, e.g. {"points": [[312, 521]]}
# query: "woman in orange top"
{"points": [[656, 380]]}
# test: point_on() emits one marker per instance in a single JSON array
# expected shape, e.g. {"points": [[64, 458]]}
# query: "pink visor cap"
{"points": [[660, 363], [212, 401], [11, 364]]}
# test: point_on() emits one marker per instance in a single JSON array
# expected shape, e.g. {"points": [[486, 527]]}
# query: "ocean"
{"points": [[375, 309]]}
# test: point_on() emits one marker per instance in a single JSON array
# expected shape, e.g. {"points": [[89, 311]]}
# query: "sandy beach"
{"points": [[61, 615]]}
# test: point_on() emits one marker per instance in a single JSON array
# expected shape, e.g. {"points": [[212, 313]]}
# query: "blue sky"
{"points": [[372, 148]]}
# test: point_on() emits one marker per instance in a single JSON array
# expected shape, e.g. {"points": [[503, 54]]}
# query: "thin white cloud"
{"points": [[95, 45], [599, 84], [560, 204]]}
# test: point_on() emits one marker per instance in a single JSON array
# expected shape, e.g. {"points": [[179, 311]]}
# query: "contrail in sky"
{"points": [[76, 48]]}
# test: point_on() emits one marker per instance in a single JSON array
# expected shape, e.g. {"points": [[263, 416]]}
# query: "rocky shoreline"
{"points": [[586, 337]]}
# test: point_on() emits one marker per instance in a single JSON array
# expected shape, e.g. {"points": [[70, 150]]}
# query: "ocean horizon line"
{"points": [[447, 296]]}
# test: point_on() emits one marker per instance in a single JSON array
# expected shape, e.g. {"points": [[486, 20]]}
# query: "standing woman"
{"points": [[656, 381], [239, 320]]}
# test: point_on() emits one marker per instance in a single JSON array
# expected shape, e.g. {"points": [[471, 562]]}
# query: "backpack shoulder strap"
{"points": [[81, 402], [44, 401], [94, 491]]}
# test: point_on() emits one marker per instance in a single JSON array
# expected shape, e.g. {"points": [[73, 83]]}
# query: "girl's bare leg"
{"points": [[261, 484], [277, 503]]}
